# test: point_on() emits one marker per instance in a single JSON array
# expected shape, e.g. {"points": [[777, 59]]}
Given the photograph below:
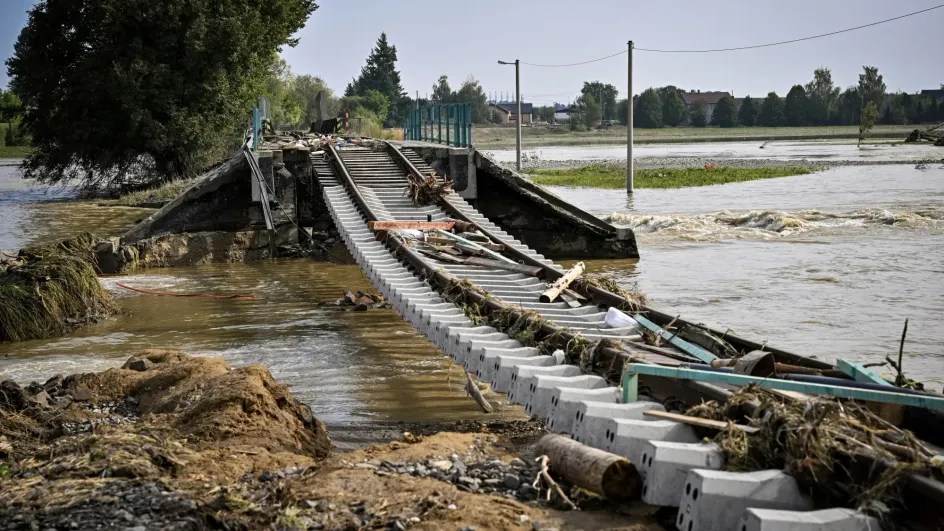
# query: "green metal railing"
{"points": [[443, 123]]}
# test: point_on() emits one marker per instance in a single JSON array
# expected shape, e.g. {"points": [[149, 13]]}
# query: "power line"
{"points": [[751, 47]]}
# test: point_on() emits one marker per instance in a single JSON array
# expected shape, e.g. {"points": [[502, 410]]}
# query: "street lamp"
{"points": [[518, 115]]}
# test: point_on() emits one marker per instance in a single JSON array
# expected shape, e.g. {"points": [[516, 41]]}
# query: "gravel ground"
{"points": [[528, 163]]}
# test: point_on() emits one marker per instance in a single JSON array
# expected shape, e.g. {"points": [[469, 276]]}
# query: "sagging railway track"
{"points": [[575, 392]]}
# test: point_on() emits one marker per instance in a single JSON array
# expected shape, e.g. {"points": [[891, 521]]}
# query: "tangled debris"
{"points": [[50, 290], [842, 454], [360, 301], [428, 190], [636, 298]]}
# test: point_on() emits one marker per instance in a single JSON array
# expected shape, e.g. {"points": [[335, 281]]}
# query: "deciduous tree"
{"points": [[725, 113], [872, 86], [130, 92], [604, 94], [868, 118], [442, 92], [648, 112], [747, 114], [796, 107], [771, 112], [471, 92], [698, 116], [305, 91], [823, 97], [592, 112], [673, 106]]}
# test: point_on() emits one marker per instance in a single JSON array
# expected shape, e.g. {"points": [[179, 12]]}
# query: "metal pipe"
{"points": [[839, 382]]}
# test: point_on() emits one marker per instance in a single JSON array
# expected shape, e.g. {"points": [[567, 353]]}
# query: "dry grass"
{"points": [[835, 450]]}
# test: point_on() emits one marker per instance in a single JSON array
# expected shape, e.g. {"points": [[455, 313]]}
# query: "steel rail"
{"points": [[602, 296]]}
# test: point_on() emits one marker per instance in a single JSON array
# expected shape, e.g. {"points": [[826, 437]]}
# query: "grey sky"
{"points": [[462, 38]]}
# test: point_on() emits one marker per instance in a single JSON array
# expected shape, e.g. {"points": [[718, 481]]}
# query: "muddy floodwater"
{"points": [[827, 264]]}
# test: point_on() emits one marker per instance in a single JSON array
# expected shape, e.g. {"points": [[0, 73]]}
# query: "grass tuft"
{"points": [[612, 176], [49, 290]]}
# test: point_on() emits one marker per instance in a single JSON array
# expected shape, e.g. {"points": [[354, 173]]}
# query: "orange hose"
{"points": [[193, 295]]}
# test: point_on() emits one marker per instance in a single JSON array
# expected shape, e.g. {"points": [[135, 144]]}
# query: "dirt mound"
{"points": [[171, 441]]}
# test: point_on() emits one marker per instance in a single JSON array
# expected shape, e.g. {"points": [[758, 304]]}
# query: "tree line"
{"points": [[817, 103]]}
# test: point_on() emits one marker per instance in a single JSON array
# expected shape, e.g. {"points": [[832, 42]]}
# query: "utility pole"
{"points": [[517, 64], [417, 99], [629, 122]]}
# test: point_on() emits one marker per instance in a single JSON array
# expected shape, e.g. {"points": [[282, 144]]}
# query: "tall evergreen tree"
{"points": [[381, 74], [796, 107], [648, 112], [673, 106], [725, 113], [747, 114], [771, 112]]}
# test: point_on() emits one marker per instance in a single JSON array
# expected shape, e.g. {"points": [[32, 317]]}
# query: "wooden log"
{"points": [[700, 422], [595, 470], [562, 283], [411, 225], [476, 394]]}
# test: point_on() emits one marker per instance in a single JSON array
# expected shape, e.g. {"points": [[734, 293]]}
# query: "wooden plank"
{"points": [[436, 240], [860, 373], [505, 266], [700, 422], [411, 225], [683, 345], [633, 370], [492, 254], [562, 283]]}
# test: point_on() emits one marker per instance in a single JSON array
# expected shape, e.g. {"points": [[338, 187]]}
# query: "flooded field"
{"points": [[780, 150]]}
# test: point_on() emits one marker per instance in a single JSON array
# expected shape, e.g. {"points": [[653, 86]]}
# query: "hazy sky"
{"points": [[459, 38]]}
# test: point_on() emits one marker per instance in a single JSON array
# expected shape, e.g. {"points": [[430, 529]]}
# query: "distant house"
{"points": [[937, 94], [562, 112], [709, 98], [509, 111]]}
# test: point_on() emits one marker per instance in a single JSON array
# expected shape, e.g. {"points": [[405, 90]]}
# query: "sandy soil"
{"points": [[171, 441]]}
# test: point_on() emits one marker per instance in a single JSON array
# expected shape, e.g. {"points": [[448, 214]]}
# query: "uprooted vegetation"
{"points": [[841, 454], [50, 290], [171, 441]]}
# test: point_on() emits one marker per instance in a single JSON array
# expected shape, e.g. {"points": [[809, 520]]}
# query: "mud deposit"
{"points": [[171, 441]]}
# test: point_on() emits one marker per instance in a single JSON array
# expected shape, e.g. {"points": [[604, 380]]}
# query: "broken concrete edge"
{"points": [[207, 183], [526, 188], [190, 248]]}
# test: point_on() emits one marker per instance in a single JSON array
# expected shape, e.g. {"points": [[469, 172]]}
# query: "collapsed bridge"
{"points": [[563, 360]]}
